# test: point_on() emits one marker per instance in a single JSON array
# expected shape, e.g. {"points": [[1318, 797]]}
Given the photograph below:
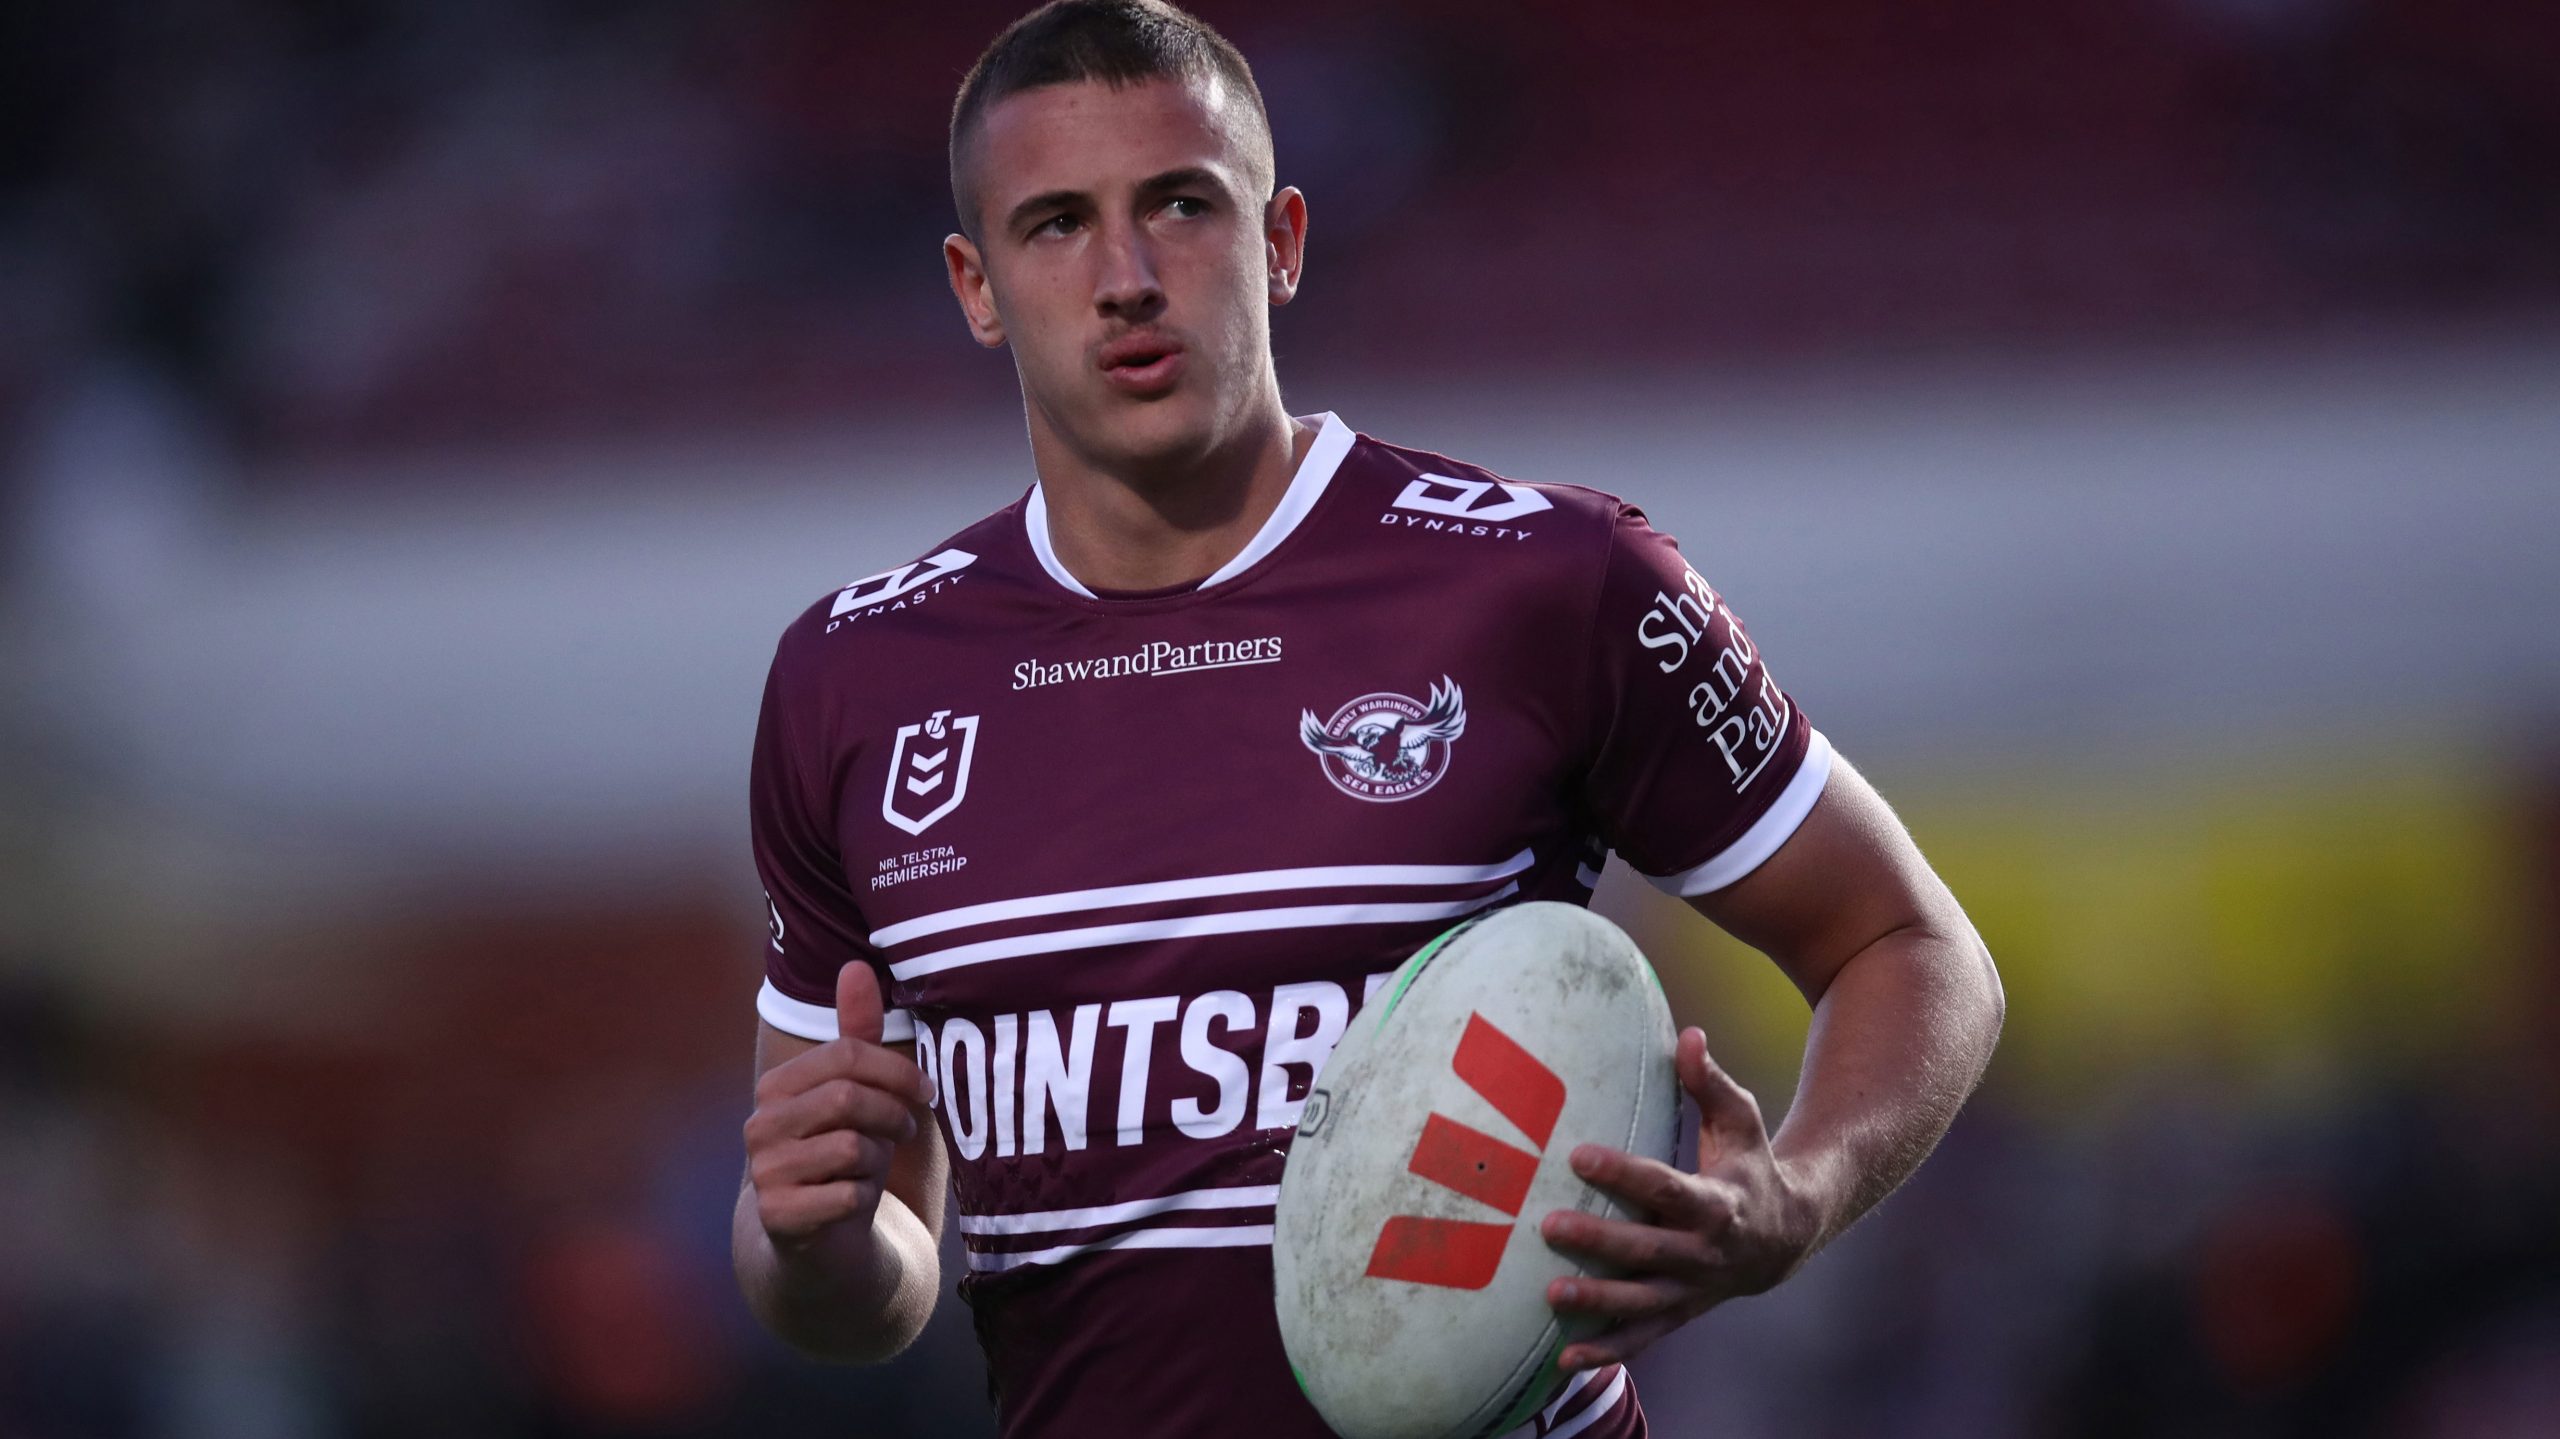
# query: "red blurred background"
{"points": [[2133, 429]]}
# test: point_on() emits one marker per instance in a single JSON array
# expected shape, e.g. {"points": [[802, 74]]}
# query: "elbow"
{"points": [[1995, 994], [1976, 1003], [840, 1335], [888, 1331], [1971, 967], [848, 1307], [849, 1349]]}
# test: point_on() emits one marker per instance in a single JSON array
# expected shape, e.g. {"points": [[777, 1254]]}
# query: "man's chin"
{"points": [[1151, 435]]}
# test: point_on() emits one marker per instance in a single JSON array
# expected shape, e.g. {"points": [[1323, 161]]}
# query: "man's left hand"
{"points": [[1742, 1223]]}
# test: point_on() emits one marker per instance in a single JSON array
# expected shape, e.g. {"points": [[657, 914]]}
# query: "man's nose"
{"points": [[1127, 288]]}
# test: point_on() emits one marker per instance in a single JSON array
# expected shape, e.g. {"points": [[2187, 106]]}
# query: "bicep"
{"points": [[1847, 877], [919, 1172]]}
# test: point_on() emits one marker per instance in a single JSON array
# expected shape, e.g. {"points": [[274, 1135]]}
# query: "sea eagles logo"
{"points": [[1387, 747], [926, 781]]}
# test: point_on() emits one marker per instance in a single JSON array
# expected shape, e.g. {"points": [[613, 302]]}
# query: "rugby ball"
{"points": [[1409, 1272]]}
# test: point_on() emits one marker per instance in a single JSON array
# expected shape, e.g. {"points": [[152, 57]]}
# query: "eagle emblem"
{"points": [[1386, 747]]}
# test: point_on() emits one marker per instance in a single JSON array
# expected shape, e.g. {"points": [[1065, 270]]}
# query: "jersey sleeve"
{"points": [[1703, 766], [813, 927]]}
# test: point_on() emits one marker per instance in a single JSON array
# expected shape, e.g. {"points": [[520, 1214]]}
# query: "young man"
{"points": [[1100, 931]]}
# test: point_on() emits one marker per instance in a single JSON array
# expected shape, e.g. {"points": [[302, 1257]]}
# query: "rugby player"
{"points": [[1085, 832]]}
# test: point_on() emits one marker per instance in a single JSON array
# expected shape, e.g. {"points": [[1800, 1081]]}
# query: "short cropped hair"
{"points": [[1117, 42]]}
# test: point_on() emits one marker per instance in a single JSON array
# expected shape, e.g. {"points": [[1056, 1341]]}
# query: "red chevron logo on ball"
{"points": [[1458, 1253]]}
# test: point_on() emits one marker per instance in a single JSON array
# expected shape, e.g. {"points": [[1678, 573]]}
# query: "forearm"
{"points": [[1899, 1039], [853, 1296]]}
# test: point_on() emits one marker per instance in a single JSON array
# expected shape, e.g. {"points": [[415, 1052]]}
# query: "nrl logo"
{"points": [[1386, 747], [925, 781]]}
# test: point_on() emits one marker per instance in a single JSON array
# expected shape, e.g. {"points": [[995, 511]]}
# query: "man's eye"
{"points": [[1187, 206], [1056, 225]]}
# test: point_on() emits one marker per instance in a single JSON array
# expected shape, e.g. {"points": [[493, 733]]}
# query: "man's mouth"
{"points": [[1141, 348], [1142, 364]]}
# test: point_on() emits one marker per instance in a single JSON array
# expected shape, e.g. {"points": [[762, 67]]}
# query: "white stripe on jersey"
{"points": [[1324, 456], [1325, 453], [1599, 1407], [1772, 829], [1242, 921], [818, 1021], [1238, 1237], [1260, 881], [1248, 1196]]}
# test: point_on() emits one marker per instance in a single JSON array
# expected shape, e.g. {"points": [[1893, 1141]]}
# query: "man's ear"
{"points": [[1284, 236], [969, 285]]}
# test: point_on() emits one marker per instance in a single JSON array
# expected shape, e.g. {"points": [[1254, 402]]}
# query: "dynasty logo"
{"points": [[1486, 509], [908, 584], [1386, 747], [1464, 1253]]}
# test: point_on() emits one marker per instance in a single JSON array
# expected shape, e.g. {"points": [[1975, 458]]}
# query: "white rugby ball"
{"points": [[1409, 1271]]}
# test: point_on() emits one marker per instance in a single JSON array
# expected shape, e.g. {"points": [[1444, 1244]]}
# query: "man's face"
{"points": [[1123, 252]]}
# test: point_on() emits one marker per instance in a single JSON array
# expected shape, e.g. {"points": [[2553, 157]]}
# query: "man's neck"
{"points": [[1116, 531]]}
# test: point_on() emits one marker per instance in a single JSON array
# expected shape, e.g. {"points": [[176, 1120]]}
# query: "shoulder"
{"points": [[1429, 483], [1421, 505], [907, 605]]}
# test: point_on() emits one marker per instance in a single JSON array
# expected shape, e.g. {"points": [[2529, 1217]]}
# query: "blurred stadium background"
{"points": [[2133, 431]]}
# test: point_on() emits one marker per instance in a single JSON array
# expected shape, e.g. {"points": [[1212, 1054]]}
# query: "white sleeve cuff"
{"points": [[1765, 835], [818, 1021]]}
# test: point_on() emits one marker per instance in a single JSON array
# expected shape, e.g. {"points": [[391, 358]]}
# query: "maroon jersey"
{"points": [[1127, 864]]}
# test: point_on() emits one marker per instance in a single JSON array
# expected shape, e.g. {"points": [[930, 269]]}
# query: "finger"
{"points": [[1650, 1186], [1617, 1345], [859, 1012], [792, 1215], [838, 1156], [1615, 1298], [1728, 1114], [866, 1064], [889, 1071], [1635, 1249], [839, 1104]]}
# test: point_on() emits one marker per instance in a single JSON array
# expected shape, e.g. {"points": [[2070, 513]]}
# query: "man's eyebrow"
{"points": [[1045, 200], [1188, 177]]}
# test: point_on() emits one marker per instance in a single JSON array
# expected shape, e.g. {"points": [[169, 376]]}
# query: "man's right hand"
{"points": [[827, 1120]]}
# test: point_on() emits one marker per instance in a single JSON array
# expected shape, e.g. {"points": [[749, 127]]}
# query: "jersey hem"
{"points": [[1766, 834], [817, 1021], [1620, 1390]]}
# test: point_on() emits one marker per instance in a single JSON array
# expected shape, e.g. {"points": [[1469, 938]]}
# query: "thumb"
{"points": [[858, 1007], [1728, 1115]]}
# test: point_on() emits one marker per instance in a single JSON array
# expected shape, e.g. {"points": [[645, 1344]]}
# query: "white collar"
{"points": [[1324, 456]]}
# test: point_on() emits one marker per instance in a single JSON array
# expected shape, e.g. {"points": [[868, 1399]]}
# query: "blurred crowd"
{"points": [[503, 1212], [502, 1209], [366, 223], [2186, 1258], [272, 1244]]}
